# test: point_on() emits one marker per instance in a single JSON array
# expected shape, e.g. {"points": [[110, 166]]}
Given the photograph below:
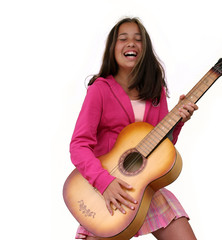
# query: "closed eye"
{"points": [[122, 39]]}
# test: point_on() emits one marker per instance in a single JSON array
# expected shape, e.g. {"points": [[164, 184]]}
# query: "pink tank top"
{"points": [[138, 109]]}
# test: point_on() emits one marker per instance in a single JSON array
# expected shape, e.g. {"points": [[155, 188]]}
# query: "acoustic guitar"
{"points": [[144, 157]]}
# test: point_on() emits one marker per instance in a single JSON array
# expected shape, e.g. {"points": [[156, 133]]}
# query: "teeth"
{"points": [[130, 54]]}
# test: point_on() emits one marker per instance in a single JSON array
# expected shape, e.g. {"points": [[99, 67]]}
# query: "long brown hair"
{"points": [[147, 76]]}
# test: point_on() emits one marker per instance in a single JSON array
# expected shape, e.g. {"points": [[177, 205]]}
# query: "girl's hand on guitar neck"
{"points": [[186, 110], [115, 196]]}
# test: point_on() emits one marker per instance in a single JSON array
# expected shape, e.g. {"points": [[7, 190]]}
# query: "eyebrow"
{"points": [[139, 34]]}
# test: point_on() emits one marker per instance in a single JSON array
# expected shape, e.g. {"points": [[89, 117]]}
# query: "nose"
{"points": [[131, 43]]}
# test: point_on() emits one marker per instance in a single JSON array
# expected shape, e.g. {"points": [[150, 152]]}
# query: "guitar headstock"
{"points": [[218, 66]]}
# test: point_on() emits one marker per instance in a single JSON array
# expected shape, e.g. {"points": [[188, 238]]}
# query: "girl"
{"points": [[129, 87]]}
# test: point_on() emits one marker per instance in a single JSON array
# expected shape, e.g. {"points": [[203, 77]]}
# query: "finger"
{"points": [[117, 204], [193, 105], [184, 117], [108, 205], [184, 114], [124, 201], [129, 198], [125, 194], [188, 110], [182, 97], [124, 184], [190, 107]]}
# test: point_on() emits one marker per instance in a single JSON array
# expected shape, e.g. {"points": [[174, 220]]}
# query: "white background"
{"points": [[47, 49]]}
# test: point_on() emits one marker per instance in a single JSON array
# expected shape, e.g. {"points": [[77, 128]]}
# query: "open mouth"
{"points": [[131, 54]]}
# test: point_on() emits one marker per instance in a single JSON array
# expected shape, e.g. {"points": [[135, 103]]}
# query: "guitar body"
{"points": [[124, 161]]}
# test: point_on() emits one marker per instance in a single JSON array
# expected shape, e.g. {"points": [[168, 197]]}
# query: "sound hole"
{"points": [[133, 162]]}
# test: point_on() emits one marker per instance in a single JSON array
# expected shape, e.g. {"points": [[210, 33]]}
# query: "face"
{"points": [[128, 46]]}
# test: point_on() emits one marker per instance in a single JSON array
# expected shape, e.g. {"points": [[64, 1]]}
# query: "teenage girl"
{"points": [[129, 87]]}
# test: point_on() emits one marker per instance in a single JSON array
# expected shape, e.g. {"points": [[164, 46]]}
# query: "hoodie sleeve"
{"points": [[84, 140]]}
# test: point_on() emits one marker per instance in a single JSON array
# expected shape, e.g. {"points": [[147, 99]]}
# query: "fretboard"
{"points": [[158, 133]]}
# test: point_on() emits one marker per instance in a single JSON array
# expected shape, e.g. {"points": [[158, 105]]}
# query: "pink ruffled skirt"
{"points": [[163, 209]]}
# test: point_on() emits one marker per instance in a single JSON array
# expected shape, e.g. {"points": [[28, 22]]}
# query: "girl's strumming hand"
{"points": [[186, 111], [115, 196]]}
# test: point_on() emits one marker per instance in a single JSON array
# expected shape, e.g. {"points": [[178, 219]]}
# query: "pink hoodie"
{"points": [[106, 110]]}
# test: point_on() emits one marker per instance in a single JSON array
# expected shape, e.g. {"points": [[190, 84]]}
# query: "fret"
{"points": [[195, 95], [175, 112], [154, 144], [147, 141], [203, 85], [191, 98], [206, 82], [155, 138], [199, 92], [161, 129], [174, 118], [148, 144], [145, 144], [143, 150], [167, 123], [158, 133]]}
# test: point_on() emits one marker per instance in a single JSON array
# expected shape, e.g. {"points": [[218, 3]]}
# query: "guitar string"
{"points": [[166, 121], [134, 161], [200, 83], [152, 139]]}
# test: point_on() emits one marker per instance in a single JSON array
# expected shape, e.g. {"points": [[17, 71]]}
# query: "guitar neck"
{"points": [[155, 137]]}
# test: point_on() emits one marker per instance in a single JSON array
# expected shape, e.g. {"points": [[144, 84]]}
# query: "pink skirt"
{"points": [[163, 209]]}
